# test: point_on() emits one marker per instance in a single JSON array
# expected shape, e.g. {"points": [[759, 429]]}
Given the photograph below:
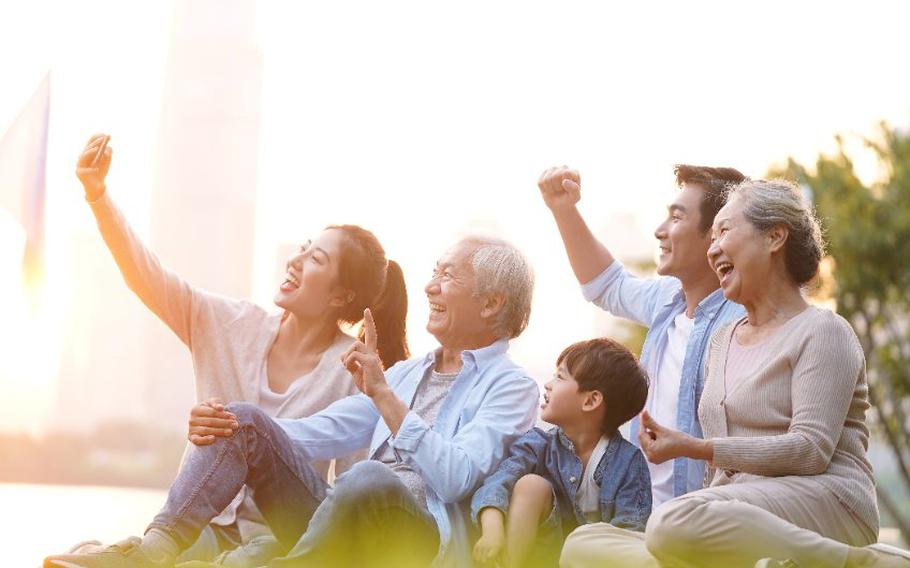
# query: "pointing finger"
{"points": [[369, 326]]}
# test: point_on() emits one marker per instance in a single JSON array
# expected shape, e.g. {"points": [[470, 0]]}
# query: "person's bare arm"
{"points": [[489, 547], [560, 188], [162, 291]]}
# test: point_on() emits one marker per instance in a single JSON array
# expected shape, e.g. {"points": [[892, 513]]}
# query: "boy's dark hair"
{"points": [[605, 365], [714, 182]]}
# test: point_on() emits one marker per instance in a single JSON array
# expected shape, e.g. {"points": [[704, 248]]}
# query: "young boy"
{"points": [[581, 471]]}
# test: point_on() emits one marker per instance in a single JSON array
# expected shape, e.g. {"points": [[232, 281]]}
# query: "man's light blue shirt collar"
{"points": [[479, 357], [708, 305]]}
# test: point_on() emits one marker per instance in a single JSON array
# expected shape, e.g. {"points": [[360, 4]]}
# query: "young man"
{"points": [[579, 472], [435, 426], [681, 308]]}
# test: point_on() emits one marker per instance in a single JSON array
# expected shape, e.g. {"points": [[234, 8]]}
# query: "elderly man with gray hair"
{"points": [[435, 426]]}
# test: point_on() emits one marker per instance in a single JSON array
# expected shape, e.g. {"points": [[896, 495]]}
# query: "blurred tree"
{"points": [[868, 233]]}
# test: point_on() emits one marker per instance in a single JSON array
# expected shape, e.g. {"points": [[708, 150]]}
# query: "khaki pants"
{"points": [[730, 526]]}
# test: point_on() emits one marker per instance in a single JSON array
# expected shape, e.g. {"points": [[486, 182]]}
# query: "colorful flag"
{"points": [[23, 158]]}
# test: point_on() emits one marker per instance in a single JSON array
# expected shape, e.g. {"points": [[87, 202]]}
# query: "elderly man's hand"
{"points": [[560, 187], [362, 361]]}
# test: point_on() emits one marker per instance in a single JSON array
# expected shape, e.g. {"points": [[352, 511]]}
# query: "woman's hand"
{"points": [[661, 444], [91, 171], [209, 420]]}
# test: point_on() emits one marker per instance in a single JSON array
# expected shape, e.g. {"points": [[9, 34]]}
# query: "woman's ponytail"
{"points": [[389, 313], [377, 284]]}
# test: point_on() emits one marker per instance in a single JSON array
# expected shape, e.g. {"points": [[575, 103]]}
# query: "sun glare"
{"points": [[28, 365], [384, 116]]}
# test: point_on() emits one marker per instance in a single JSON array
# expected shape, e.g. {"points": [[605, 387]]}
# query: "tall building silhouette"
{"points": [[101, 373], [119, 361], [203, 205]]}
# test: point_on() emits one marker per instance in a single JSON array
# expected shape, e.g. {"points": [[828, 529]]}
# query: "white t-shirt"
{"points": [[588, 495], [663, 399]]}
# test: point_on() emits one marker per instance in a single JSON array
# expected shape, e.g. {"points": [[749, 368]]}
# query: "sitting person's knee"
{"points": [[583, 548], [364, 479], [246, 412], [673, 529], [532, 495], [369, 470], [533, 484]]}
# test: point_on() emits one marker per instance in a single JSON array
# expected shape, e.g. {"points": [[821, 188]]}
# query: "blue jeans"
{"points": [[369, 515], [370, 518]]}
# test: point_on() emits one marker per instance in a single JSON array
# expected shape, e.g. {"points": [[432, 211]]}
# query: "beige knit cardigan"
{"points": [[800, 411]]}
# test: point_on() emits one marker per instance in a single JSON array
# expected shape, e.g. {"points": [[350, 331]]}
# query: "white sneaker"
{"points": [[888, 549], [85, 547]]}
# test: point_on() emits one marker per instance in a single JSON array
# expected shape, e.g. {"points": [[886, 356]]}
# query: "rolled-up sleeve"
{"points": [[623, 294]]}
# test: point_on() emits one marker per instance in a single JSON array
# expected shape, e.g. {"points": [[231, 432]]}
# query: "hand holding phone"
{"points": [[93, 165]]}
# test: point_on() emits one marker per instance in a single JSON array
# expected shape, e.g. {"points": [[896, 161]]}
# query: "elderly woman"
{"points": [[783, 414]]}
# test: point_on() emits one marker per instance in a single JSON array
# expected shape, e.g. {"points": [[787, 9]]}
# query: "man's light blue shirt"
{"points": [[654, 303], [492, 402]]}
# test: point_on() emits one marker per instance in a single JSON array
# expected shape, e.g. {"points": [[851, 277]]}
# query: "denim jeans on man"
{"points": [[342, 525], [492, 402], [655, 302]]}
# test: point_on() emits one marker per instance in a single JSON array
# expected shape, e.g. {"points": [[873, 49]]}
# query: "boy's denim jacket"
{"points": [[625, 485]]}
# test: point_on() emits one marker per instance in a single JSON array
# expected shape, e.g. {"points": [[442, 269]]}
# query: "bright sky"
{"points": [[421, 120]]}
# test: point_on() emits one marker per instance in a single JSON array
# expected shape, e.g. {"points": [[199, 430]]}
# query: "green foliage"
{"points": [[868, 232]]}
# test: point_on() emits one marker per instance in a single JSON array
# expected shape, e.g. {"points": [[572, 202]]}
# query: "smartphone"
{"points": [[100, 151]]}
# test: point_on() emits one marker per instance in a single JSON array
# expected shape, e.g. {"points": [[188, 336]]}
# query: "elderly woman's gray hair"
{"points": [[780, 203], [500, 268]]}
